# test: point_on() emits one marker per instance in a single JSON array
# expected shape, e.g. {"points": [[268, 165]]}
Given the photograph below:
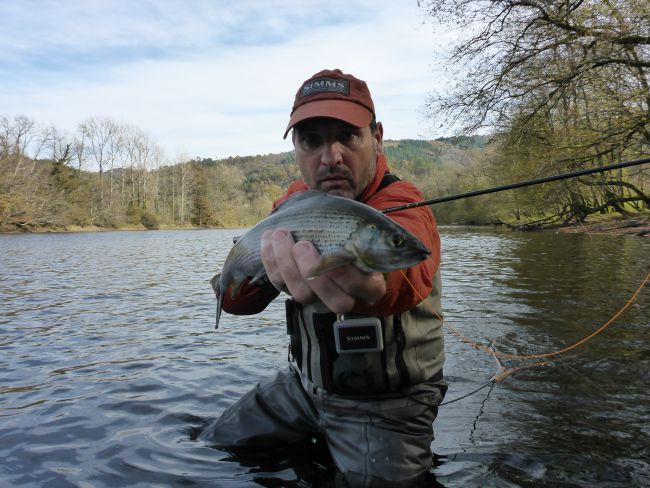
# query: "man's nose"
{"points": [[332, 153]]}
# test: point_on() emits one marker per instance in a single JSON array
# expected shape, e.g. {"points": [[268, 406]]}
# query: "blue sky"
{"points": [[213, 78]]}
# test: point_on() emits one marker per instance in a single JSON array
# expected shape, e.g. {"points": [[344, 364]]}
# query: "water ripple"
{"points": [[110, 362]]}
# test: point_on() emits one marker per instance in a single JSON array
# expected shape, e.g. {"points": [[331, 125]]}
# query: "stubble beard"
{"points": [[345, 187]]}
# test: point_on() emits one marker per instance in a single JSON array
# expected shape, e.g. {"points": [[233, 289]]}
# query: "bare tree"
{"points": [[534, 52], [16, 138], [101, 136], [567, 77], [27, 199], [80, 151], [59, 147], [184, 173]]}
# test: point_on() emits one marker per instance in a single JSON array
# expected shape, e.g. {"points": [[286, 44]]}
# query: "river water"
{"points": [[109, 363]]}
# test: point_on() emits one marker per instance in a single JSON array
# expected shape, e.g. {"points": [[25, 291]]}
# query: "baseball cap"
{"points": [[334, 94]]}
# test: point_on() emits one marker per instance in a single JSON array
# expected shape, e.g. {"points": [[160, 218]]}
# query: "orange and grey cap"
{"points": [[334, 94]]}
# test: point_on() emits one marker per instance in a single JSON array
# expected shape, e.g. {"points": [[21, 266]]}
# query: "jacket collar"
{"points": [[380, 168]]}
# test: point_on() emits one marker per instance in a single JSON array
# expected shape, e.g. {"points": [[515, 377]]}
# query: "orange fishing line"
{"points": [[530, 356]]}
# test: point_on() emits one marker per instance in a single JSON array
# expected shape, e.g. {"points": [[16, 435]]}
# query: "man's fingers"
{"points": [[268, 259], [282, 243], [367, 287], [288, 263], [330, 293]]}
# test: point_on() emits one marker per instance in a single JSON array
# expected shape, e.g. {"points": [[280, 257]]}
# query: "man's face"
{"points": [[336, 157]]}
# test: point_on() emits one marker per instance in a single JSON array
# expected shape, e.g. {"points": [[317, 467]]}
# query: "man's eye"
{"points": [[311, 140], [346, 136]]}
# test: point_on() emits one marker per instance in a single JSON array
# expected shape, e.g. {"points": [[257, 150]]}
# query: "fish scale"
{"points": [[343, 231], [309, 227]]}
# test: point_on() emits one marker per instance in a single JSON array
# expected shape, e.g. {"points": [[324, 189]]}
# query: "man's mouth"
{"points": [[333, 181]]}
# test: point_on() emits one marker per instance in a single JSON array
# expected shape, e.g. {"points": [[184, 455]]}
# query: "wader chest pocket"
{"points": [[358, 335]]}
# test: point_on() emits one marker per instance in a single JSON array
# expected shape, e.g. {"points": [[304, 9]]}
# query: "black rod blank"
{"points": [[520, 184]]}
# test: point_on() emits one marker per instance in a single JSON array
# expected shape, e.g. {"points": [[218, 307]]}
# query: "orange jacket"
{"points": [[399, 296]]}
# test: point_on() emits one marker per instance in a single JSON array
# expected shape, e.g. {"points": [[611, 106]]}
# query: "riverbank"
{"points": [[637, 225], [93, 228]]}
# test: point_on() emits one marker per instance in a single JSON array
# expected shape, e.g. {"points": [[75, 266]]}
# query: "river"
{"points": [[109, 363]]}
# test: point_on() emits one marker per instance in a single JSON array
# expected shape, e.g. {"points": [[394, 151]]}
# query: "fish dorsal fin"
{"points": [[297, 198]]}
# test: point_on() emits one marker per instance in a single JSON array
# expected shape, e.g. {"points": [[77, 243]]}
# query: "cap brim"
{"points": [[349, 112]]}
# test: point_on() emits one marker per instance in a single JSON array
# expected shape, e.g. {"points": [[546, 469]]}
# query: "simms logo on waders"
{"points": [[358, 335], [320, 85]]}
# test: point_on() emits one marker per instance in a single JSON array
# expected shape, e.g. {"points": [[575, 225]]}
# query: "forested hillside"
{"points": [[113, 176]]}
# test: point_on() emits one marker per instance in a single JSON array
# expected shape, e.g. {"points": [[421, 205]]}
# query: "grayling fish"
{"points": [[344, 231]]}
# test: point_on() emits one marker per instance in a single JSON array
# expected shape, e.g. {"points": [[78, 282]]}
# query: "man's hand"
{"points": [[288, 265]]}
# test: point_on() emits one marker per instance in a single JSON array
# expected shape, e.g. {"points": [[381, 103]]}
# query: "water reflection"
{"points": [[584, 414], [109, 361]]}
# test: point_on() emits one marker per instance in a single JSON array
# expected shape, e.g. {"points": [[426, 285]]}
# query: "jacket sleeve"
{"points": [[402, 295]]}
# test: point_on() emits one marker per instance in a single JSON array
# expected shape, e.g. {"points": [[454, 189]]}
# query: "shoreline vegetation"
{"points": [[636, 225], [112, 177], [633, 225]]}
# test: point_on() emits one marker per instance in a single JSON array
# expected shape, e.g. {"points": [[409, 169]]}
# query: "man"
{"points": [[375, 408]]}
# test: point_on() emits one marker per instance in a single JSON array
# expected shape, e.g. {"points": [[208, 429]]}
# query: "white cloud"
{"points": [[198, 82]]}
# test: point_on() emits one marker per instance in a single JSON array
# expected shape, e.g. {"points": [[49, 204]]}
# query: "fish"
{"points": [[342, 230]]}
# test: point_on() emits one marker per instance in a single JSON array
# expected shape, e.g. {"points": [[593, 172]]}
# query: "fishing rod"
{"points": [[520, 184]]}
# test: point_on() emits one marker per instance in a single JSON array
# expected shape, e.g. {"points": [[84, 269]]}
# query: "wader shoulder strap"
{"points": [[388, 179]]}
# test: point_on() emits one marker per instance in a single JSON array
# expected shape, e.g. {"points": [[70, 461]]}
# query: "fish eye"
{"points": [[398, 240]]}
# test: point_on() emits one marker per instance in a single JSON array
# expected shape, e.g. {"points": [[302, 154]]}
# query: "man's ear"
{"points": [[379, 137]]}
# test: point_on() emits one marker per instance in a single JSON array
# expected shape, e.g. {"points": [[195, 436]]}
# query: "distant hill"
{"points": [[407, 157], [412, 158], [53, 194], [257, 180], [413, 150]]}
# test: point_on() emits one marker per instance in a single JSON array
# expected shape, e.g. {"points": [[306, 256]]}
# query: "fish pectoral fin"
{"points": [[259, 276], [332, 261]]}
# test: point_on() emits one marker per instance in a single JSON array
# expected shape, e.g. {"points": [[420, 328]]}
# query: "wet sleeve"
{"points": [[406, 288], [252, 299]]}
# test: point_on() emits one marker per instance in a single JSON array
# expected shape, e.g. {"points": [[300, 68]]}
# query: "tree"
{"points": [[102, 137], [202, 214], [569, 77], [28, 199]]}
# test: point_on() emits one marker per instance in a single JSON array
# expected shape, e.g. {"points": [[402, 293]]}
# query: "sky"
{"points": [[213, 78]]}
